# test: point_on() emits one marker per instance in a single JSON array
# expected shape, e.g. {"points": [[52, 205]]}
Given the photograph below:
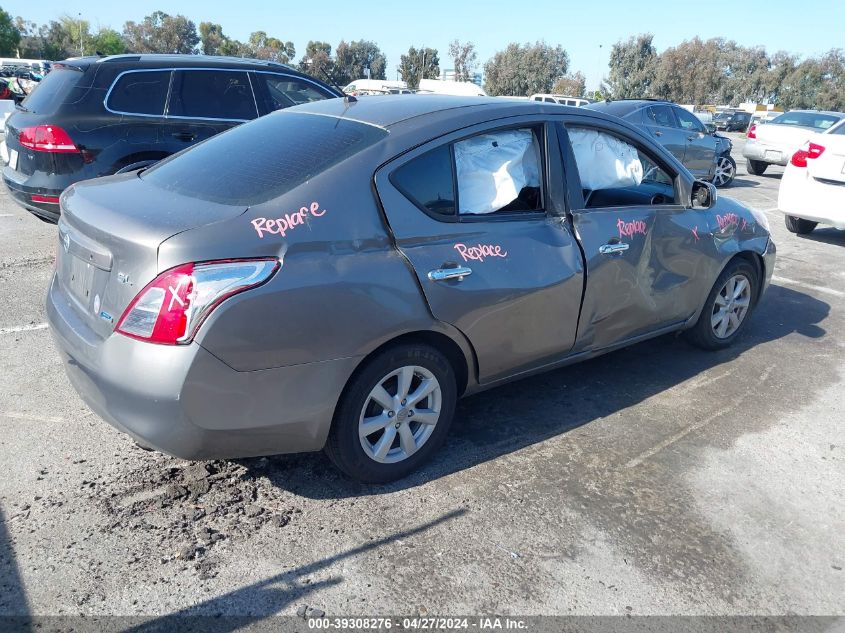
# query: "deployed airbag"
{"points": [[605, 161], [492, 169]]}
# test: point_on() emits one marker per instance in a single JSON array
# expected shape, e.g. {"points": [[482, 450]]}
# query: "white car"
{"points": [[812, 190], [774, 143]]}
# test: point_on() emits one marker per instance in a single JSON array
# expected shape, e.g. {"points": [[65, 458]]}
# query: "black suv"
{"points": [[706, 155], [95, 116], [732, 120]]}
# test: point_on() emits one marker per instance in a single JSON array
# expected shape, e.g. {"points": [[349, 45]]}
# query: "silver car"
{"points": [[338, 274], [775, 142]]}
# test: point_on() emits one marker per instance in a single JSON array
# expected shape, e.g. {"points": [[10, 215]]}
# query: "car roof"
{"points": [[388, 110], [622, 107], [158, 59]]}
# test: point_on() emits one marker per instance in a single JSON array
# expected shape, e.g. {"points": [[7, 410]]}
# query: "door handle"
{"points": [[658, 133], [442, 274], [610, 249], [184, 136], [694, 137]]}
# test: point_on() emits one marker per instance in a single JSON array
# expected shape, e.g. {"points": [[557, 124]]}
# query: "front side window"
{"points": [[212, 94], [689, 121], [660, 115], [140, 93], [615, 172], [283, 91]]}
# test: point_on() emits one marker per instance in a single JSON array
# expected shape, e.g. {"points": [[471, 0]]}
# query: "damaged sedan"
{"points": [[336, 275]]}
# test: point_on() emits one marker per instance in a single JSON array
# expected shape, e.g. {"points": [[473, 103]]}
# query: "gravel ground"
{"points": [[655, 480]]}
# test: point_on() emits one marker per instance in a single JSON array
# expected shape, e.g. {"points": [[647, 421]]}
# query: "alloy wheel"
{"points": [[399, 414], [731, 306], [725, 171]]}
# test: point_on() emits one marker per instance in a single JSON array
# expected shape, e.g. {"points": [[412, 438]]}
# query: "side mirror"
{"points": [[710, 127], [703, 195]]}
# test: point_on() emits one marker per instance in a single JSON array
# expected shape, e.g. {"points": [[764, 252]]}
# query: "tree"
{"points": [[317, 61], [107, 42], [78, 34], [211, 38], [162, 33], [633, 66], [263, 47], [422, 63], [525, 70], [56, 42], [352, 58], [574, 85], [689, 72], [464, 59], [10, 36], [30, 44]]}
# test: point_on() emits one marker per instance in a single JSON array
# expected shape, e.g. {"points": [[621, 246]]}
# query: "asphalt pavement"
{"points": [[655, 480]]}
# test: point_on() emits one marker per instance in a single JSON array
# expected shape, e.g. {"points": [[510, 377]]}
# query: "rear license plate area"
{"points": [[79, 279], [773, 155], [13, 159]]}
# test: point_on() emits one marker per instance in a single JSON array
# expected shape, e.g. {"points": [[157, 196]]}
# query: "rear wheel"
{"points": [[394, 414], [728, 307], [756, 167], [799, 226], [725, 171]]}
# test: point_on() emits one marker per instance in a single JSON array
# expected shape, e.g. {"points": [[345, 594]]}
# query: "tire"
{"points": [[706, 333], [725, 171], [799, 226], [756, 167], [346, 448]]}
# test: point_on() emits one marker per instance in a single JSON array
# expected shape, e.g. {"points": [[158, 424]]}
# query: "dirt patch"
{"points": [[192, 507]]}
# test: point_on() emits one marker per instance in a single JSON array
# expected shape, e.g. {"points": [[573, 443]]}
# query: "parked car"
{"points": [[774, 143], [561, 99], [732, 120], [95, 116], [812, 189], [337, 274], [707, 155]]}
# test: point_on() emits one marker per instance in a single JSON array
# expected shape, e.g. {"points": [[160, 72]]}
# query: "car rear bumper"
{"points": [[22, 194], [184, 401], [802, 196], [774, 155]]}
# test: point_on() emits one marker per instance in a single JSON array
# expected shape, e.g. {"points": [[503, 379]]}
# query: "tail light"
{"points": [[47, 138], [811, 151], [752, 132], [171, 308]]}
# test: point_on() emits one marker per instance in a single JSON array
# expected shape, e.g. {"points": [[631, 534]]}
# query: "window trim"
{"points": [[541, 131], [578, 206]]}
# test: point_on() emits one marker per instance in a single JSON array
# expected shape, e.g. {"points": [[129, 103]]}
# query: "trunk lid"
{"points": [[109, 235], [783, 139], [830, 165]]}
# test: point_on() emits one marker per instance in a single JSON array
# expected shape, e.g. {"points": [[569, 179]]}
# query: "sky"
{"points": [[587, 30]]}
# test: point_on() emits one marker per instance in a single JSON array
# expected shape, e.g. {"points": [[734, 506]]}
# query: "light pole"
{"points": [[79, 24]]}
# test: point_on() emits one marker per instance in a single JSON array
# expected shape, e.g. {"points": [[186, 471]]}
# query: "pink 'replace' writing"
{"points": [[695, 233], [727, 220], [629, 229], [288, 222], [477, 252]]}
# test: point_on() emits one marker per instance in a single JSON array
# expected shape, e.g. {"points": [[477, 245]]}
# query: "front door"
{"points": [[661, 123], [475, 216], [634, 232]]}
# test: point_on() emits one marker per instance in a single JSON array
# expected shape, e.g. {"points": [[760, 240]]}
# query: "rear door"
{"points": [[205, 102], [479, 216], [642, 246], [661, 123]]}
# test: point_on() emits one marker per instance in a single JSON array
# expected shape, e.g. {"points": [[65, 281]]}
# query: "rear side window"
{"points": [[212, 94], [139, 92], [428, 181], [52, 91], [263, 159], [281, 91]]}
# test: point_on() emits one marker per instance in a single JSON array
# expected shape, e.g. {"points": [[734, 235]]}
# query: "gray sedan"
{"points": [[334, 276]]}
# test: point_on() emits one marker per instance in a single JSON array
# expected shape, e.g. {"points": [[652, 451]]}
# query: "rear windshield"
{"points": [[263, 159], [815, 120], [52, 91]]}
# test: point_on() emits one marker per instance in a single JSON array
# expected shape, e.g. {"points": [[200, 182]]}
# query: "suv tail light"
{"points": [[752, 132], [171, 308], [811, 151], [47, 138]]}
